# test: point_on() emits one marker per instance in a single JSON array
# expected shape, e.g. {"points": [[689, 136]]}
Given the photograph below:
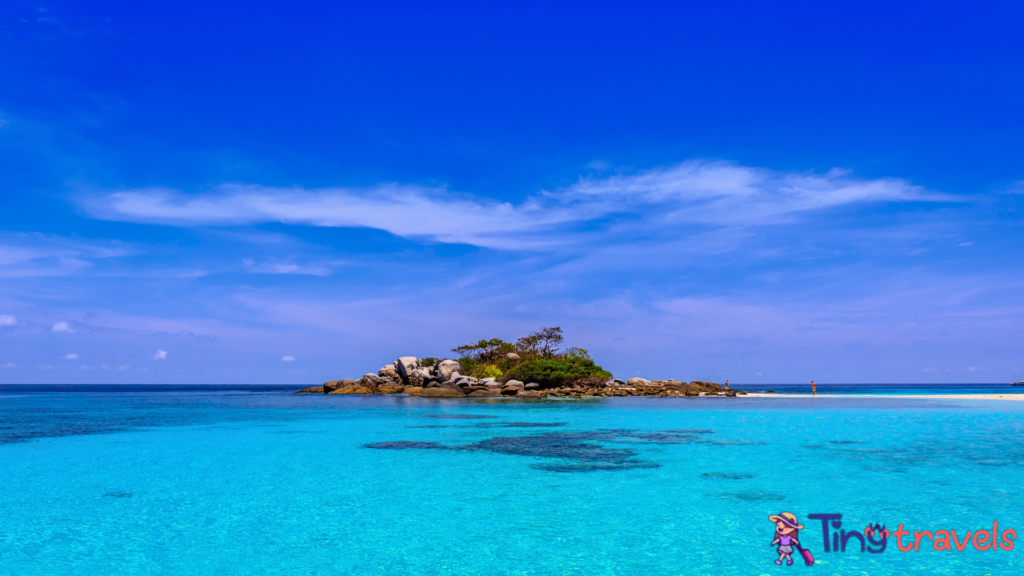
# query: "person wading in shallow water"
{"points": [[814, 388]]}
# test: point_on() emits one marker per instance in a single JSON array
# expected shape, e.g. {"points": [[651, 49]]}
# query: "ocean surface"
{"points": [[197, 480]]}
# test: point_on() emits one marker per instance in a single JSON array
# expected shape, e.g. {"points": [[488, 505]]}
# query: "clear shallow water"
{"points": [[256, 480]]}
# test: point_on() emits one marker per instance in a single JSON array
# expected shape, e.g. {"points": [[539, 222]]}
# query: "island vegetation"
{"points": [[534, 358]]}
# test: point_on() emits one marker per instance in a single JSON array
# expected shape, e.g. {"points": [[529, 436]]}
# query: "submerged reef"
{"points": [[408, 375], [573, 451]]}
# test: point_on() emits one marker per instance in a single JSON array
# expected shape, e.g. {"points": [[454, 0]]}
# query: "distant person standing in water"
{"points": [[814, 388]]}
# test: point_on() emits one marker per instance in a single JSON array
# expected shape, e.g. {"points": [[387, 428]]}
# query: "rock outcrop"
{"points": [[439, 392], [406, 365], [445, 370], [409, 376]]}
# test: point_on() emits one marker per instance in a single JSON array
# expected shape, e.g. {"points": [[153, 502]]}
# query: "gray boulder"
{"points": [[483, 393], [527, 394], [439, 392], [532, 386], [406, 365], [514, 384], [446, 368], [619, 382], [450, 385], [389, 373], [333, 385], [422, 374]]}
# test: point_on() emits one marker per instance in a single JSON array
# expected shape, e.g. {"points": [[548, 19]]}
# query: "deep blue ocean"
{"points": [[232, 480]]}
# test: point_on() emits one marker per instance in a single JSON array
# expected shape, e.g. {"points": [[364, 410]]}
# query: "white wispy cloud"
{"points": [[695, 192], [276, 267], [288, 359], [1016, 187], [61, 327], [8, 320], [37, 255], [71, 356], [160, 355]]}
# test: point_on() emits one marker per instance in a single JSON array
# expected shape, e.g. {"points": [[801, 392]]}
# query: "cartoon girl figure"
{"points": [[786, 530]]}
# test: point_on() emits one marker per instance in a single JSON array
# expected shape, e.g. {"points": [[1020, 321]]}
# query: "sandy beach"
{"points": [[1018, 397]]}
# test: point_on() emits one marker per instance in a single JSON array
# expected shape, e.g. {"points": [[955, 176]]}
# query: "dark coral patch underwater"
{"points": [[725, 476], [752, 496], [495, 425], [457, 416], [578, 451]]}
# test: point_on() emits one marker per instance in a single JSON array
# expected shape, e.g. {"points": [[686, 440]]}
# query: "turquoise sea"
{"points": [[191, 480]]}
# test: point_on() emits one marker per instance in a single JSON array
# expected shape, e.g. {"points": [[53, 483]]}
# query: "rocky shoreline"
{"points": [[408, 375]]}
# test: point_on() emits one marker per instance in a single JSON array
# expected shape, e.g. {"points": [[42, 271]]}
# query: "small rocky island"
{"points": [[532, 367]]}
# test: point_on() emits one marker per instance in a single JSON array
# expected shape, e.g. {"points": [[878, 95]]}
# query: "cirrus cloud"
{"points": [[695, 192]]}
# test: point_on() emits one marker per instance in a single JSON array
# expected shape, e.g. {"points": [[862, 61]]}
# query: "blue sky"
{"points": [[230, 192]]}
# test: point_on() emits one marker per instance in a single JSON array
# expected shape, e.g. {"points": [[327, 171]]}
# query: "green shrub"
{"points": [[568, 371], [580, 353], [487, 371], [485, 351], [429, 361], [532, 358], [466, 365], [470, 367]]}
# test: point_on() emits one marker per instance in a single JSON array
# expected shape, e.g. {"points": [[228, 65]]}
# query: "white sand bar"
{"points": [[940, 396]]}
